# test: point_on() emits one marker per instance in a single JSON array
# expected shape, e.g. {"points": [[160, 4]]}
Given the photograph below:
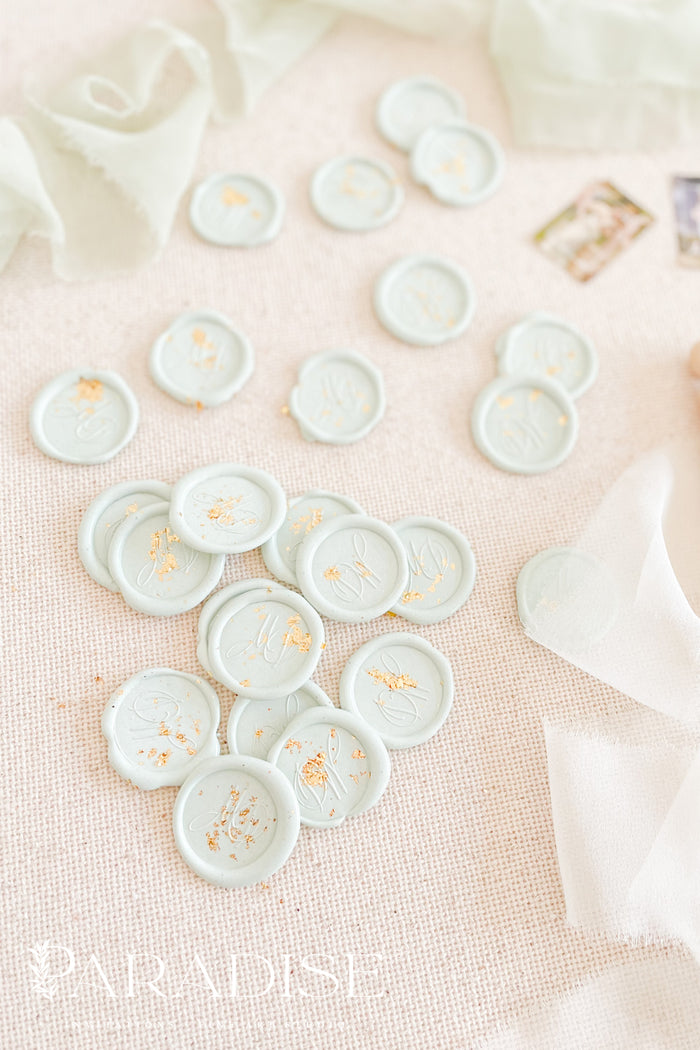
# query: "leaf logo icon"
{"points": [[44, 984]]}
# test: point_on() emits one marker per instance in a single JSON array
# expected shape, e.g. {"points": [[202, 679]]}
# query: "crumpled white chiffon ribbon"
{"points": [[626, 794], [98, 166], [652, 1004], [600, 74]]}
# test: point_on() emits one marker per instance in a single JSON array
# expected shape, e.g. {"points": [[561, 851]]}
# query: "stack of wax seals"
{"points": [[459, 162], [525, 421], [165, 550], [294, 757]]}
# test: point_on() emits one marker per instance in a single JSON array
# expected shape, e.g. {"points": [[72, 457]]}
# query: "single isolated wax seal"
{"points": [[155, 570], [566, 598], [227, 508], [352, 568], [84, 416], [265, 644], [159, 724], [356, 193], [442, 570], [255, 725], [304, 514], [424, 300], [339, 397], [212, 606], [401, 686], [409, 106], [104, 516], [336, 764], [236, 210], [201, 359], [524, 425], [544, 345], [459, 162], [236, 820]]}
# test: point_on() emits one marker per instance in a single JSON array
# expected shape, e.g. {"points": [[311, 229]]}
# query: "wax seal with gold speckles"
{"points": [[567, 599], [544, 345], [201, 359], [265, 643], [401, 686], [305, 513], [442, 570], [236, 820], [214, 603], [352, 568], [339, 397], [104, 516], [234, 210], [356, 193], [157, 572], [84, 416], [524, 424], [159, 724], [227, 508], [254, 725], [460, 163], [335, 762], [424, 300]]}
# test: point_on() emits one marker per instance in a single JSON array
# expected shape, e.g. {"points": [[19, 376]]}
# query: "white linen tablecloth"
{"points": [[449, 889]]}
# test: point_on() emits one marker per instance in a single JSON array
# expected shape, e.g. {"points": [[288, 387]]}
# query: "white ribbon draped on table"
{"points": [[626, 790]]}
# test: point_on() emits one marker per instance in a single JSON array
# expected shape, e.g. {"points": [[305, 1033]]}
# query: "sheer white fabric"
{"points": [[599, 74]]}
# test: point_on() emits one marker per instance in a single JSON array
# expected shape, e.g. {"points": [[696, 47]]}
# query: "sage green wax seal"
{"points": [[265, 643], [159, 724], [339, 397], [305, 513], [356, 193], [352, 568], [84, 416], [410, 106], [442, 570], [157, 572], [425, 300], [401, 686], [524, 424], [236, 210], [104, 516], [236, 820], [459, 162], [254, 725], [544, 345], [227, 508], [201, 359], [335, 762]]}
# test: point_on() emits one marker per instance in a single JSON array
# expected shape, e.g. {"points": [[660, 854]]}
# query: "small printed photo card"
{"points": [[596, 227], [686, 200]]}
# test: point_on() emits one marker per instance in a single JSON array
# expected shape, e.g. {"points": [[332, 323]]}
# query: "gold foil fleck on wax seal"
{"points": [[88, 390], [313, 771], [392, 681]]}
